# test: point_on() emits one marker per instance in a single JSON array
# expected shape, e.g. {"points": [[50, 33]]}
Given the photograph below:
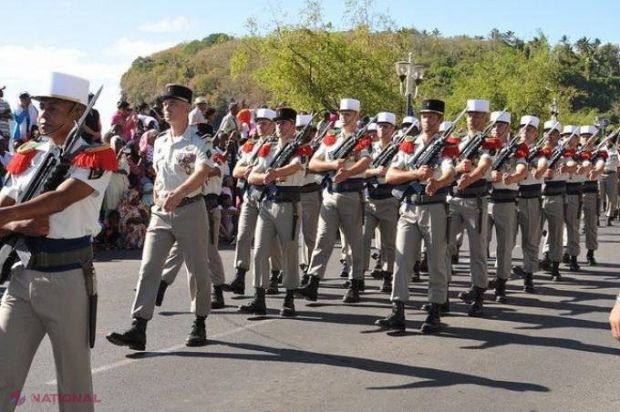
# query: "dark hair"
{"points": [[210, 111], [122, 104]]}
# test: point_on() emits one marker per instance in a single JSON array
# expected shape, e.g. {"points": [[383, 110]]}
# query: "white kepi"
{"points": [[65, 87]]}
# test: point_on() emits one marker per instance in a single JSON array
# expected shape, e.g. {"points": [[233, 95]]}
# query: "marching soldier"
{"points": [[423, 215], [381, 207], [554, 194], [596, 159], [213, 188], [278, 213], [469, 206], [179, 215], [502, 202], [342, 203], [248, 215], [529, 203], [52, 293], [608, 183]]}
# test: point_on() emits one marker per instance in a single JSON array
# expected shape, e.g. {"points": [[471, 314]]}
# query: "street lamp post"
{"points": [[409, 74]]}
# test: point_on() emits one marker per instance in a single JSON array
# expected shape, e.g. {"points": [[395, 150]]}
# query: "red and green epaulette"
{"points": [[22, 159], [96, 157]]}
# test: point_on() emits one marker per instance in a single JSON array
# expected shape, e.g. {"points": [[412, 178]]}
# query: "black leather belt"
{"points": [[380, 192], [311, 187], [554, 188], [503, 196], [477, 189], [283, 194], [415, 199], [57, 255], [189, 200], [530, 191], [590, 187], [574, 188], [349, 185]]}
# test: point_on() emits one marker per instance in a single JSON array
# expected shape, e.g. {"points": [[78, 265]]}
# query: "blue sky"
{"points": [[100, 39]]}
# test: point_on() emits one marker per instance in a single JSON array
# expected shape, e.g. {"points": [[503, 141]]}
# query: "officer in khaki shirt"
{"points": [[179, 215], [342, 203], [278, 216]]}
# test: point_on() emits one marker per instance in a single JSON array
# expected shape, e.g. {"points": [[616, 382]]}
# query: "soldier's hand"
{"points": [[171, 201], [614, 321], [247, 172], [549, 174], [508, 179], [431, 187], [464, 166], [496, 176], [463, 182], [341, 175], [426, 172], [270, 176], [381, 170], [33, 227], [338, 164]]}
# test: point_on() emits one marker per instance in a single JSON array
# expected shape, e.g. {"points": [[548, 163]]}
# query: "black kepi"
{"points": [[433, 106], [177, 91]]}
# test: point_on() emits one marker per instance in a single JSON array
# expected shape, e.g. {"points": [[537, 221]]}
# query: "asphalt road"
{"points": [[546, 352]]}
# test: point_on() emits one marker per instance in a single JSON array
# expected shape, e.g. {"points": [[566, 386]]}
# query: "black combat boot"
{"points": [[217, 301], [386, 285], [344, 272], [416, 273], [528, 283], [590, 258], [353, 293], [134, 337], [476, 307], [377, 271], [362, 286], [237, 286], [272, 289], [288, 307], [518, 271], [492, 283], [396, 319], [545, 263], [444, 308], [455, 257], [310, 291], [500, 290], [433, 322], [161, 292], [555, 271], [574, 266], [469, 296], [198, 335], [305, 278], [566, 258], [424, 263], [609, 219], [257, 306]]}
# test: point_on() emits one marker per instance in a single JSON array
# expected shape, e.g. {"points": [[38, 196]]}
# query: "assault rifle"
{"points": [[387, 154], [540, 143], [586, 144], [558, 152], [471, 148], [508, 151], [316, 142]]}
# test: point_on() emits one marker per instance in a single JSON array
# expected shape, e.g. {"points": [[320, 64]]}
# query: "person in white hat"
{"points": [[48, 296], [182, 163], [342, 205], [469, 207], [502, 202], [381, 207], [596, 167], [248, 215], [423, 215], [197, 115], [529, 203], [554, 193]]}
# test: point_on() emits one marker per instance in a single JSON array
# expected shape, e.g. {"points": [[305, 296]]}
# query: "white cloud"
{"points": [[125, 48], [167, 25]]}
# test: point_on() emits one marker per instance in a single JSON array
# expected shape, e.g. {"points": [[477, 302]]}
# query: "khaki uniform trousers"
{"points": [[503, 216], [381, 214], [417, 223], [216, 267], [572, 218], [553, 213], [528, 218], [465, 214], [39, 303], [339, 211], [310, 209], [275, 223], [188, 226], [590, 219], [608, 188], [245, 236]]}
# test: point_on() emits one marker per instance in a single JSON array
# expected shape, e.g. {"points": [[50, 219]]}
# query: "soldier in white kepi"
{"points": [[182, 163], [342, 202], [52, 291]]}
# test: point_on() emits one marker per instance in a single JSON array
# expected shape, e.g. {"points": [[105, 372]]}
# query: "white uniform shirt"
{"points": [[530, 179], [175, 159], [376, 151], [561, 177], [613, 159], [482, 154], [326, 153], [214, 183], [441, 164], [79, 219], [510, 166], [196, 116], [264, 162]]}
